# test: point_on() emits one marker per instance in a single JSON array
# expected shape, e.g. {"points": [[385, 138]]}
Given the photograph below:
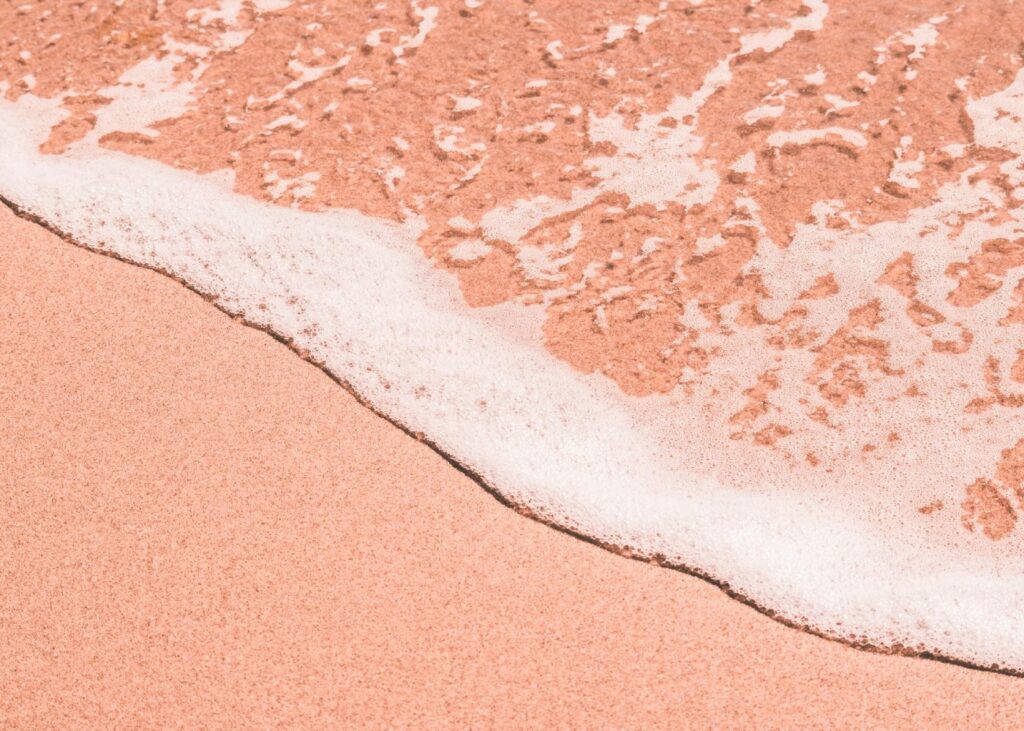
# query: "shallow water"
{"points": [[745, 303]]}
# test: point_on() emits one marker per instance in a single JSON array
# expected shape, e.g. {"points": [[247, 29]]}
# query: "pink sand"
{"points": [[202, 530]]}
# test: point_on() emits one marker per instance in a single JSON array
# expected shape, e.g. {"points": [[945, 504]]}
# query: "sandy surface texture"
{"points": [[733, 285], [202, 530]]}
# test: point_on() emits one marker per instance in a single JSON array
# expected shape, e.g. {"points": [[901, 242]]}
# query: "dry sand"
{"points": [[202, 530]]}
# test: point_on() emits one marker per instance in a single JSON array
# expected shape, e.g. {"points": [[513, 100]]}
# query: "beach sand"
{"points": [[608, 254], [202, 530]]}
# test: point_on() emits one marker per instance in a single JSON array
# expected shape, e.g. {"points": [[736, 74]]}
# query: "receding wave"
{"points": [[781, 351]]}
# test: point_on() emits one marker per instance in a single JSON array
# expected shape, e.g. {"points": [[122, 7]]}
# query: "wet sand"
{"points": [[202, 530]]}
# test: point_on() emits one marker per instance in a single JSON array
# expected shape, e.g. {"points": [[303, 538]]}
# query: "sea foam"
{"points": [[357, 294]]}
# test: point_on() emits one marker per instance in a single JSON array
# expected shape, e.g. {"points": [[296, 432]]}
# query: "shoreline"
{"points": [[521, 510], [404, 593]]}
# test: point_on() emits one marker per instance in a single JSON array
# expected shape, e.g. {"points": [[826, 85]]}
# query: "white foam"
{"points": [[427, 23], [357, 294], [998, 119], [767, 111], [807, 136], [146, 93]]}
